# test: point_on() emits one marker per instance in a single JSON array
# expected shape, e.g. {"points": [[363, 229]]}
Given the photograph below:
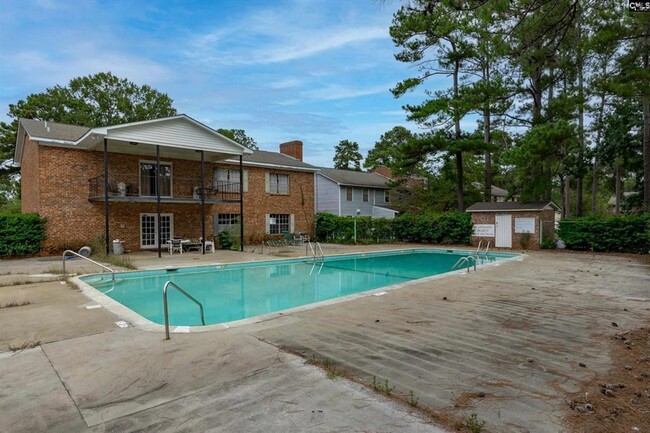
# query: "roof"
{"points": [[625, 195], [513, 206], [355, 178], [499, 191], [178, 134], [263, 158], [52, 130]]}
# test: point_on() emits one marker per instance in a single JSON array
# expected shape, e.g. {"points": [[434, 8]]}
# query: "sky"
{"points": [[318, 71]]}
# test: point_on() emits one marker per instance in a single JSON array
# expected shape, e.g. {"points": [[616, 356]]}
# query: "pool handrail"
{"points": [[313, 251], [462, 260], [86, 258], [166, 311]]}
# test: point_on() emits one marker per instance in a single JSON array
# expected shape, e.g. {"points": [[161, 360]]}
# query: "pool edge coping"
{"points": [[139, 322]]}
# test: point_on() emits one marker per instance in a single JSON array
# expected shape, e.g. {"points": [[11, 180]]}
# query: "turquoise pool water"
{"points": [[240, 291]]}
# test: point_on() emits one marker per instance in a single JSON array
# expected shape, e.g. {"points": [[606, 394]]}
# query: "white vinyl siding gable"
{"points": [[180, 133]]}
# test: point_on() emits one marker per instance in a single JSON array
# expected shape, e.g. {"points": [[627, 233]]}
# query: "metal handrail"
{"points": [[166, 311], [86, 258], [308, 245], [463, 260], [322, 255]]}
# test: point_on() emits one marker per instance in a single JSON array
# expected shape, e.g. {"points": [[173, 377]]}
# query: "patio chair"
{"points": [[290, 240], [175, 245]]}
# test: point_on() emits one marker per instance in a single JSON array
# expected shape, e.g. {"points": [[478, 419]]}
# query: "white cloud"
{"points": [[335, 91]]}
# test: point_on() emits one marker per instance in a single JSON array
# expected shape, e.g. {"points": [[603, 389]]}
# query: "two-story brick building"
{"points": [[146, 182]]}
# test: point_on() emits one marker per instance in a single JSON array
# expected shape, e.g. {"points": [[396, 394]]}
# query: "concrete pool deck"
{"points": [[515, 332]]}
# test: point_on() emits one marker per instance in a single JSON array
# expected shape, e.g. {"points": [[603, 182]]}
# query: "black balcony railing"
{"points": [[143, 187]]}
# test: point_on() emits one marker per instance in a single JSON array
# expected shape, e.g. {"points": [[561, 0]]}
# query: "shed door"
{"points": [[503, 231]]}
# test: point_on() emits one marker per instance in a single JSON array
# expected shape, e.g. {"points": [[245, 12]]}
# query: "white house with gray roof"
{"points": [[351, 193]]}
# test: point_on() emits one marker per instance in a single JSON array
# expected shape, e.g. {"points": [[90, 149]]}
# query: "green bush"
{"points": [[21, 235], [447, 228], [629, 234], [228, 241]]}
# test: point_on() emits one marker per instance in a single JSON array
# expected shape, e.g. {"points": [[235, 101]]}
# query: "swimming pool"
{"points": [[239, 291]]}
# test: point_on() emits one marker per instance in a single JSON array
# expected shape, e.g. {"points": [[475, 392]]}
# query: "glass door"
{"points": [[149, 229]]}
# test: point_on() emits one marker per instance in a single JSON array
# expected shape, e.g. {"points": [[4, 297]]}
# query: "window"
{"points": [[365, 194], [225, 221], [227, 179], [148, 179], [348, 193], [386, 196], [277, 183], [278, 223]]}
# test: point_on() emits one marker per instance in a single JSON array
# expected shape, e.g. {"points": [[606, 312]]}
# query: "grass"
{"points": [[13, 304], [17, 283], [382, 387], [56, 270], [29, 344], [473, 424], [331, 371]]}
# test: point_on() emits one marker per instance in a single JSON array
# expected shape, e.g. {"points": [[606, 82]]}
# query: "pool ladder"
{"points": [[316, 253], [465, 260], [166, 311]]}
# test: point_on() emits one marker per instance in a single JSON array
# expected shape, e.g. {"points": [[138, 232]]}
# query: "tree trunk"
{"points": [[562, 195], [596, 171], [459, 154], [617, 186], [645, 101], [567, 196], [581, 118], [594, 184], [487, 138]]}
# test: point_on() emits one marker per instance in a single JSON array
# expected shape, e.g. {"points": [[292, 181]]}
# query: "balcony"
{"points": [[134, 188]]}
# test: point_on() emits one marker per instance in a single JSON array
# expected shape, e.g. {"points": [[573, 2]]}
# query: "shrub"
{"points": [[21, 235], [629, 234], [447, 228]]}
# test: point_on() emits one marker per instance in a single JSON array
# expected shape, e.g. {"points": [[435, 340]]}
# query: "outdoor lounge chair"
{"points": [[175, 245], [290, 240]]}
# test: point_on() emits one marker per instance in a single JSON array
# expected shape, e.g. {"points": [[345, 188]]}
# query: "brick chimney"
{"points": [[292, 149], [384, 171]]}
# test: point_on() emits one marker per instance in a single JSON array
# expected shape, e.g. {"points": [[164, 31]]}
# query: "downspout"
{"points": [[158, 201], [107, 234], [241, 204], [202, 203]]}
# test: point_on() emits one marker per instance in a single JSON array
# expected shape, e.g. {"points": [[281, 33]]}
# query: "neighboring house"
{"points": [[498, 195], [611, 203], [350, 193], [103, 181]]}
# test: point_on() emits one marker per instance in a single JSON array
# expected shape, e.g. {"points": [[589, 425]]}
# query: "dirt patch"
{"points": [[618, 401]]}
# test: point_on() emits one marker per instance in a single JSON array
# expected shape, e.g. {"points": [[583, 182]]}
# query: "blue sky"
{"points": [[317, 71]]}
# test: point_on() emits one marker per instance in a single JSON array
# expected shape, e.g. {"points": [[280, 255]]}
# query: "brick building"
{"points": [[115, 181], [493, 223]]}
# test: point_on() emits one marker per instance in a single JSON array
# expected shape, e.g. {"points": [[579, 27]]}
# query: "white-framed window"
{"points": [[365, 194], [227, 179], [276, 223], [148, 179], [225, 221], [386, 196], [277, 183], [349, 191], [149, 229]]}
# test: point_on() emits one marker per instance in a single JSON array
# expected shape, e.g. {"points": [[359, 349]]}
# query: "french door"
{"points": [[149, 229]]}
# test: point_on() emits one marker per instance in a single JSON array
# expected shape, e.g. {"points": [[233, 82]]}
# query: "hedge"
{"points": [[445, 228], [627, 234], [21, 234]]}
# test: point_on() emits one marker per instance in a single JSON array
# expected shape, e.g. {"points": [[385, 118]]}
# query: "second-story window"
{"points": [[148, 179], [365, 194], [348, 193], [386, 196], [227, 179], [277, 183]]}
